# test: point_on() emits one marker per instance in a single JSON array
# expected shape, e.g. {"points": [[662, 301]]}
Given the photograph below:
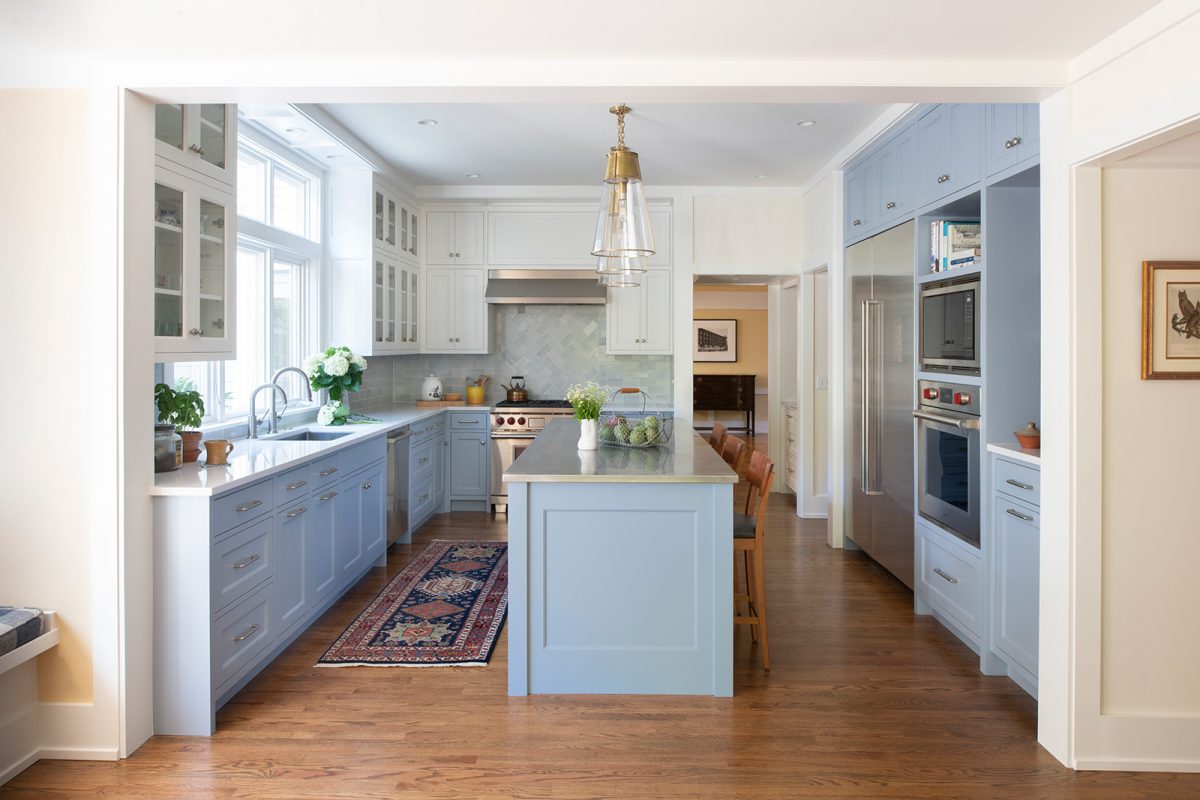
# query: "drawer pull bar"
{"points": [[1014, 513], [329, 496], [248, 506], [1027, 487], [247, 562], [468, 422], [293, 486], [248, 633], [944, 575], [296, 513], [327, 472]]}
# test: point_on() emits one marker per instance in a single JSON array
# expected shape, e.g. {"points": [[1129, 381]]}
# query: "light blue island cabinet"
{"points": [[620, 568]]}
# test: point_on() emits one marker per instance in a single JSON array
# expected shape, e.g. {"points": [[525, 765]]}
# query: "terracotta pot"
{"points": [[191, 445], [1029, 437]]}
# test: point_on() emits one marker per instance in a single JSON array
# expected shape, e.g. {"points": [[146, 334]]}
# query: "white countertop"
{"points": [[255, 459], [1017, 453], [553, 458]]}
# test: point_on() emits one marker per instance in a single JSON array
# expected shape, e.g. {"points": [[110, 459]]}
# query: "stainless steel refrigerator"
{"points": [[879, 381]]}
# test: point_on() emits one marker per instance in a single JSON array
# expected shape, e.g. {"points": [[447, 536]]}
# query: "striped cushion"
{"points": [[18, 626]]}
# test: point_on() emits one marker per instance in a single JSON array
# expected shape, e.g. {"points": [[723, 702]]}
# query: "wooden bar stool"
{"points": [[716, 437], [731, 450], [748, 530]]}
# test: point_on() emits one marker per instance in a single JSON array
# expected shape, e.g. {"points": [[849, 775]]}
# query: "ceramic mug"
{"points": [[218, 452]]}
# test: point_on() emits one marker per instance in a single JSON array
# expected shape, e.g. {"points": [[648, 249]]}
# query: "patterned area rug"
{"points": [[445, 609]]}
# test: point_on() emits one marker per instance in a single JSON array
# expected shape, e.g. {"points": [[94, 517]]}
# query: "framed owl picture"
{"points": [[1170, 320]]}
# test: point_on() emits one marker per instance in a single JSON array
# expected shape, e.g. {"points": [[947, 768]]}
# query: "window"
{"points": [[278, 279]]}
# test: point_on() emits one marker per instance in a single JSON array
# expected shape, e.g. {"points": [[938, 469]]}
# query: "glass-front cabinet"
{"points": [[394, 223], [200, 137], [193, 259], [394, 302]]}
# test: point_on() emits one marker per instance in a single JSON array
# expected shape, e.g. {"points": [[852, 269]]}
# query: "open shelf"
{"points": [[168, 292], [208, 237], [951, 275], [165, 227]]}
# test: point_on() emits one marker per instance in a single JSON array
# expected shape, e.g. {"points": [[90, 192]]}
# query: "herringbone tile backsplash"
{"points": [[553, 346]]}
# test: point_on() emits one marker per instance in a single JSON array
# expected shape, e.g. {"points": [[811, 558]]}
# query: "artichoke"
{"points": [[637, 436]]}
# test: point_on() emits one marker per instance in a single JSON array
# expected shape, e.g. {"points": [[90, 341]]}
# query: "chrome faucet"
{"points": [[302, 374], [253, 421]]}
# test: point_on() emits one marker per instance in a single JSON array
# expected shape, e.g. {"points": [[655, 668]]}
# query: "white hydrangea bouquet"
{"points": [[339, 371], [587, 400]]}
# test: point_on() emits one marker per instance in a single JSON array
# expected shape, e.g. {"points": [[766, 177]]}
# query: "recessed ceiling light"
{"points": [[428, 123], [804, 123], [333, 155], [293, 130], [762, 175], [472, 175]]}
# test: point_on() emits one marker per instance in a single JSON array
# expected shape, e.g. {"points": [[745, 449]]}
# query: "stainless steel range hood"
{"points": [[545, 287]]}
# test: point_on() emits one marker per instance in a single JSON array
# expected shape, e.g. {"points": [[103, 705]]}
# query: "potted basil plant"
{"points": [[184, 409]]}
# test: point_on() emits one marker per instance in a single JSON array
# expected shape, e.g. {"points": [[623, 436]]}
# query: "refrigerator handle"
{"points": [[870, 432]]}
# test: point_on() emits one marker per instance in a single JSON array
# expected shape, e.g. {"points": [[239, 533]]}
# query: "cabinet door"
{"points": [[656, 311], [624, 314], [439, 237], [391, 304], [1001, 126], [413, 227], [468, 237], [660, 228], [1015, 607], [201, 138], [372, 488], [966, 162], [896, 171], [857, 217], [347, 531], [440, 446], [439, 309], [319, 557], [933, 147], [414, 303], [291, 569], [468, 465], [1031, 132], [470, 310]]}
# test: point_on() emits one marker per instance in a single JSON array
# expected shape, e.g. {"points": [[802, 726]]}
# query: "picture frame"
{"points": [[714, 340], [1171, 320]]}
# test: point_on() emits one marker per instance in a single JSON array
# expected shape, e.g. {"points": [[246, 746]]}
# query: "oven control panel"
{"points": [[949, 396]]}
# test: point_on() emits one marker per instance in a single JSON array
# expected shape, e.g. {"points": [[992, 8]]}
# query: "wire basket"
{"points": [[632, 419]]}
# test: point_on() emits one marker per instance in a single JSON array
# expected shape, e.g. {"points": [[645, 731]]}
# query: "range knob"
{"points": [[520, 420], [499, 420], [962, 399], [929, 394], [512, 421]]}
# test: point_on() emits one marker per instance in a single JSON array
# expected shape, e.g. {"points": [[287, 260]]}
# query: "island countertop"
{"points": [[553, 458]]}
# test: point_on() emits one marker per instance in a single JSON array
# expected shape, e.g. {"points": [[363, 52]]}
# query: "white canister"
{"points": [[431, 388]]}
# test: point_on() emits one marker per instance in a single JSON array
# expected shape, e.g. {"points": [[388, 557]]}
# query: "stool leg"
{"points": [[760, 605], [751, 592]]}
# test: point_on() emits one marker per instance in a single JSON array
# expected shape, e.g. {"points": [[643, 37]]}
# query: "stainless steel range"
{"points": [[514, 426]]}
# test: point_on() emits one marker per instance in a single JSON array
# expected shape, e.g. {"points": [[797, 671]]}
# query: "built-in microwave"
{"points": [[950, 327]]}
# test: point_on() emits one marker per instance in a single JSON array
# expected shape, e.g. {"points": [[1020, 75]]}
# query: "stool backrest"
{"points": [[732, 451], [759, 475], [717, 437]]}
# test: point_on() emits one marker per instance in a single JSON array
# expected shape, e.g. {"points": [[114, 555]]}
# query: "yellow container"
{"points": [[474, 395]]}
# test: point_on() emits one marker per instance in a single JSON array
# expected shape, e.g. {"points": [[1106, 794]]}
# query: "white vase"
{"points": [[587, 434]]}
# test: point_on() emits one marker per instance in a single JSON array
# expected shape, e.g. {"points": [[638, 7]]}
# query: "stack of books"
{"points": [[954, 244]]}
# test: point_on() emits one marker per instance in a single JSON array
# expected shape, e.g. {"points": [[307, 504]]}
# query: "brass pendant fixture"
{"points": [[623, 230]]}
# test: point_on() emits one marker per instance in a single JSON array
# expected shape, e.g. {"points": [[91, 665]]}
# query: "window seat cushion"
{"points": [[19, 626]]}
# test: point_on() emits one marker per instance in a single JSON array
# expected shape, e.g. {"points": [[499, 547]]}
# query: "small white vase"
{"points": [[587, 434]]}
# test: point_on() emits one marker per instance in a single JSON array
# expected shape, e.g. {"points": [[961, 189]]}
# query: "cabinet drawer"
{"points": [[324, 470], [421, 496], [240, 562], [363, 454], [469, 421], [1018, 480], [237, 508], [950, 580], [429, 429], [291, 485], [242, 634], [420, 460]]}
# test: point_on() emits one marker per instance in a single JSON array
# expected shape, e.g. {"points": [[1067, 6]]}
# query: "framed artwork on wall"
{"points": [[1170, 320], [714, 340]]}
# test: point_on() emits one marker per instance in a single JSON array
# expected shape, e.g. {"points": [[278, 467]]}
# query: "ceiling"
{"points": [[564, 144]]}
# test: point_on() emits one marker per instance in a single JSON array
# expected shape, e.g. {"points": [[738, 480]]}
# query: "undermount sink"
{"points": [[307, 436]]}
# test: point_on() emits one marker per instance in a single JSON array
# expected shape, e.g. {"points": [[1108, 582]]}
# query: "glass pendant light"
{"points": [[622, 271], [623, 229]]}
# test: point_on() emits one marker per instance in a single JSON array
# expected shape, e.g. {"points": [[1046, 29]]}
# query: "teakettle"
{"points": [[517, 392]]}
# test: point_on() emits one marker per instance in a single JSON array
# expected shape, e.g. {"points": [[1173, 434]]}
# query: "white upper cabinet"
{"points": [[547, 239], [639, 317], [454, 238], [456, 316], [201, 137], [394, 222]]}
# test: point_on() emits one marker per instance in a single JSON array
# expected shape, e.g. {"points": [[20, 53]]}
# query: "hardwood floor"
{"points": [[863, 700]]}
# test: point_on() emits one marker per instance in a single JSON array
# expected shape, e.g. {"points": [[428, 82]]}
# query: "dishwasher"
{"points": [[397, 485]]}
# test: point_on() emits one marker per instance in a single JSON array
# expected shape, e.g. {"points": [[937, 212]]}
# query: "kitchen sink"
{"points": [[307, 436]]}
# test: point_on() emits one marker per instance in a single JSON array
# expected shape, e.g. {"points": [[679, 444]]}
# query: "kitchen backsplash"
{"points": [[553, 346]]}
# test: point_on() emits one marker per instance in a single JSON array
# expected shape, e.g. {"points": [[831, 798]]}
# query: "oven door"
{"points": [[948, 468], [505, 450]]}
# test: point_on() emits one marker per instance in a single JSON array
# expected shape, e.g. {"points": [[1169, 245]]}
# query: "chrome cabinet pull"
{"points": [[943, 178], [468, 422], [248, 506], [248, 633], [196, 332], [424, 460], [483, 441], [326, 497], [1023, 517], [423, 498], [1019, 485], [944, 575], [293, 486], [367, 485], [247, 562], [857, 222], [326, 472], [296, 513], [197, 149], [890, 205]]}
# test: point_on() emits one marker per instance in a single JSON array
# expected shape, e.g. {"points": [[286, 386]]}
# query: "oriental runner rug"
{"points": [[444, 609]]}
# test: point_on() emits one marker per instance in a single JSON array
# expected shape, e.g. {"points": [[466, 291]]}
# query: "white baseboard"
{"points": [[1136, 765], [13, 770], [80, 754]]}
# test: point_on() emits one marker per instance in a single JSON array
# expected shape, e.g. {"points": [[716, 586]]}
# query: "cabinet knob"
{"points": [[458, 255], [457, 339], [943, 178], [196, 332], [366, 485], [890, 205], [196, 149], [858, 222]]}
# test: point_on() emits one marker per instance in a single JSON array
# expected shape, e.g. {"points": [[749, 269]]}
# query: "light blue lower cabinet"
{"points": [[467, 471], [239, 576], [949, 578], [1015, 545]]}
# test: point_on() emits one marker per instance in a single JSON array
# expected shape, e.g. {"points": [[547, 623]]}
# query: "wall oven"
{"points": [[950, 327], [948, 457]]}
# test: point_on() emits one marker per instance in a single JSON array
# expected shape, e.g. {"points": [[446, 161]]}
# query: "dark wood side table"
{"points": [[725, 393]]}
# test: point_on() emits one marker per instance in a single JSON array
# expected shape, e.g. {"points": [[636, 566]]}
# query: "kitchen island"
{"points": [[620, 568]]}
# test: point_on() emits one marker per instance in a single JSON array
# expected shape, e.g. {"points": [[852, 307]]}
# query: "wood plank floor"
{"points": [[865, 700]]}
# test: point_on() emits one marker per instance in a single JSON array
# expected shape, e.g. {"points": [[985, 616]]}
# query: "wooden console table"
{"points": [[725, 393]]}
